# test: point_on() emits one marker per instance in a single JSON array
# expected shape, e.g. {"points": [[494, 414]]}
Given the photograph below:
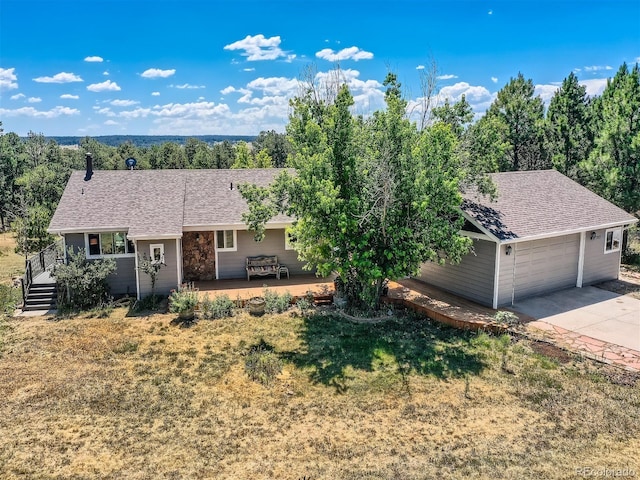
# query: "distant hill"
{"points": [[148, 140]]}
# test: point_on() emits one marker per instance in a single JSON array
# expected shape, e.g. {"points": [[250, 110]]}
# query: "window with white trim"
{"points": [[156, 252], [613, 240], [109, 244], [289, 240], [226, 240]]}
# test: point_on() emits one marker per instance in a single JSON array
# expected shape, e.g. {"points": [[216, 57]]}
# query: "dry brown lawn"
{"points": [[11, 264], [142, 398]]}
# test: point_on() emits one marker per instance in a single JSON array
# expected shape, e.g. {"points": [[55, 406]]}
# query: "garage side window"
{"points": [[613, 240]]}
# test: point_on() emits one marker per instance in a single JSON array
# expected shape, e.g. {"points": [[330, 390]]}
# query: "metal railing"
{"points": [[38, 264]]}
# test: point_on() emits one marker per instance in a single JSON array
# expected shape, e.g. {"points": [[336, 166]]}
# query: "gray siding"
{"points": [[472, 278], [505, 276], [123, 280], [233, 264], [599, 266], [75, 240], [168, 276]]}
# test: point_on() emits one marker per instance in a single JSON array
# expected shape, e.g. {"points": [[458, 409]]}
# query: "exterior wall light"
{"points": [[593, 236], [508, 250]]}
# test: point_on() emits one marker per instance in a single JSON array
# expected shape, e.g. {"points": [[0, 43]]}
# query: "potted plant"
{"points": [[183, 302], [256, 306]]}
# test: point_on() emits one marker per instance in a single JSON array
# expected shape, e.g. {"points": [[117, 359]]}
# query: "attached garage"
{"points": [[543, 233], [546, 264]]}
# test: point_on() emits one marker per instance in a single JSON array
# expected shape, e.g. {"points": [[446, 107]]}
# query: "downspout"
{"points": [[496, 276], [583, 236], [135, 247], [178, 262], [215, 248], [513, 275]]}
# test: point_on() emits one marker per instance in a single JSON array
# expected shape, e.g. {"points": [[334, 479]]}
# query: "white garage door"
{"points": [[546, 265]]}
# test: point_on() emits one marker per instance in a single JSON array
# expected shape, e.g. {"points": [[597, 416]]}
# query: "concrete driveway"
{"points": [[589, 311]]}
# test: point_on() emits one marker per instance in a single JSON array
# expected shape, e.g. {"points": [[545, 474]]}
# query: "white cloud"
{"points": [[490, 12], [545, 92], [494, 79], [62, 77], [123, 103], [34, 100], [420, 67], [597, 68], [231, 89], [8, 79], [32, 112], [274, 85], [478, 97], [157, 73], [155, 94], [106, 86], [248, 69], [187, 86], [594, 86], [258, 48], [105, 73], [446, 77], [94, 59], [17, 96], [350, 53], [111, 122], [68, 96]]}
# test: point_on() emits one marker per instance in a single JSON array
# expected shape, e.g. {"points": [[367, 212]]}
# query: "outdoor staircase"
{"points": [[41, 296]]}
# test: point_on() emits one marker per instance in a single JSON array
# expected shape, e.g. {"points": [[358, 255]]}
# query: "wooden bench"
{"points": [[263, 265]]}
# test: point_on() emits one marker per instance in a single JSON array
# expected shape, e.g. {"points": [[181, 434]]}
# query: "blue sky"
{"points": [[162, 67]]}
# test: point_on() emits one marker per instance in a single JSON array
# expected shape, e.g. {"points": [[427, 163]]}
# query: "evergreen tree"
{"points": [[570, 135], [613, 168], [523, 114]]}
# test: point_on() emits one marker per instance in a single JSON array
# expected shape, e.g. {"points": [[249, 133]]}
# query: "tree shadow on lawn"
{"points": [[408, 345]]}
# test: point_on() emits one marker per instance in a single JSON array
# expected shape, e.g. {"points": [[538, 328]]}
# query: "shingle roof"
{"points": [[155, 203], [541, 203]]}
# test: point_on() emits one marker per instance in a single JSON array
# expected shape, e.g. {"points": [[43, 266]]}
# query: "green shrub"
{"points": [[304, 305], [182, 300], [507, 318], [262, 364], [83, 283], [274, 303], [9, 297], [221, 306]]}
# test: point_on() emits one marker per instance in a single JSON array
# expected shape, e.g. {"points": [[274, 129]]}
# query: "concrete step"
{"points": [[35, 295], [39, 306]]}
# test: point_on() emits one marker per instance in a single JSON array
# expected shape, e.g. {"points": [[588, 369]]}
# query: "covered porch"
{"points": [[297, 285]]}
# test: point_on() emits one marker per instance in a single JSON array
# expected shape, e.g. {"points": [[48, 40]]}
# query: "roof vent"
{"points": [[231, 186], [89, 161]]}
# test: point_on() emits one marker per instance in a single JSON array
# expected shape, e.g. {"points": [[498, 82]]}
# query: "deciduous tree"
{"points": [[373, 199]]}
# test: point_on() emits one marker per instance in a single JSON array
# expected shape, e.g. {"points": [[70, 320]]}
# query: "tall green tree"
{"points": [[12, 165], [224, 155], [246, 158], [458, 116], [373, 199], [613, 167], [569, 131], [276, 145], [523, 114]]}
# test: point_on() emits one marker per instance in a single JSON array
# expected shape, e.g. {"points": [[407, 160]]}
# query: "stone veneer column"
{"points": [[199, 256]]}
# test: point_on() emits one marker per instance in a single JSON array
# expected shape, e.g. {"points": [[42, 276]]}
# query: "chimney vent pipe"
{"points": [[89, 162]]}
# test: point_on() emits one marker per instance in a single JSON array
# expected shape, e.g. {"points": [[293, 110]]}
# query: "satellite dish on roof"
{"points": [[130, 162]]}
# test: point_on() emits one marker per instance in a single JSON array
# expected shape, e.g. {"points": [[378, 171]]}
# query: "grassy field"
{"points": [[142, 398], [11, 264]]}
